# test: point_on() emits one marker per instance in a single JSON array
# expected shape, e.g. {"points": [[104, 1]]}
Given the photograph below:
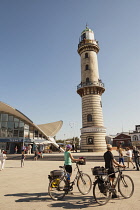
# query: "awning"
{"points": [[38, 141]]}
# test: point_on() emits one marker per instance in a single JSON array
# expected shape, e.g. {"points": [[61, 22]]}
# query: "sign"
{"points": [[93, 130], [11, 140]]}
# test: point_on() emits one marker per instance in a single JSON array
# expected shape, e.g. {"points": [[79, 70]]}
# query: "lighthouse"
{"points": [[91, 89]]}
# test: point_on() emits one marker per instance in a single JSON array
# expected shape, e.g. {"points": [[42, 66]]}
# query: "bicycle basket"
{"points": [[82, 162], [99, 170], [56, 173]]}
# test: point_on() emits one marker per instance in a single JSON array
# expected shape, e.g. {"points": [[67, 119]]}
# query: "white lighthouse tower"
{"points": [[90, 89]]}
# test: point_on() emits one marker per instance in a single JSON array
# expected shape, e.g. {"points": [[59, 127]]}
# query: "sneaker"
{"points": [[134, 167], [114, 196]]}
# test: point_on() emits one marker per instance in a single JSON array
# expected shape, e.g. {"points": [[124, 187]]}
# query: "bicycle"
{"points": [[102, 189], [59, 185]]}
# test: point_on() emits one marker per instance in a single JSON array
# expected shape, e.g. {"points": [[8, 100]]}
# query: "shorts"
{"points": [[129, 159], [110, 171], [68, 168]]}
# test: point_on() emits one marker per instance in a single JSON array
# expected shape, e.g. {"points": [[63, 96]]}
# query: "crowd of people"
{"points": [[132, 156]]}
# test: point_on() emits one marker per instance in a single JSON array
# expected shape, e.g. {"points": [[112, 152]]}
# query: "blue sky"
{"points": [[40, 66]]}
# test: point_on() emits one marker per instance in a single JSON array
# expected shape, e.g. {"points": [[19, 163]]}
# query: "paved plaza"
{"points": [[27, 188]]}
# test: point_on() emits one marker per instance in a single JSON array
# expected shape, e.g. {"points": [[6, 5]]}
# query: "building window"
{"points": [[11, 118], [16, 125], [15, 133], [86, 55], [36, 133], [87, 67], [16, 119], [89, 118], [135, 138], [4, 117], [21, 133]]}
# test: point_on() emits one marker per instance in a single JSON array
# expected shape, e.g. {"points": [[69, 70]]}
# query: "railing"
{"points": [[88, 42], [95, 83]]}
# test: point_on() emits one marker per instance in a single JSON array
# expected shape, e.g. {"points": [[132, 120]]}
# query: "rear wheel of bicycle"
{"points": [[84, 183], [126, 186], [101, 198], [57, 189]]}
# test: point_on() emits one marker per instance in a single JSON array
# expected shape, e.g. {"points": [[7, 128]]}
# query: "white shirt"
{"points": [[129, 153], [2, 156]]}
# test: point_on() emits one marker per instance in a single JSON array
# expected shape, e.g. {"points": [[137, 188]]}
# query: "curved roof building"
{"points": [[17, 129]]}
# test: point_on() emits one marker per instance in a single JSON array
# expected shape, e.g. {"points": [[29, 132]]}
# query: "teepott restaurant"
{"points": [[17, 130]]}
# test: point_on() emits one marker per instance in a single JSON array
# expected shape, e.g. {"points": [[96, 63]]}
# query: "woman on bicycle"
{"points": [[68, 158]]}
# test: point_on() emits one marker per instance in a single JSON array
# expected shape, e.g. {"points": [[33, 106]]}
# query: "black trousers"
{"points": [[136, 159]]}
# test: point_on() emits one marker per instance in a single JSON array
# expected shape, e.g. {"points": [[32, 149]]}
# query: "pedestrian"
{"points": [[2, 160], [16, 149], [121, 157], [109, 164], [22, 158], [73, 148], [135, 154], [29, 149], [129, 157], [36, 155], [68, 158]]}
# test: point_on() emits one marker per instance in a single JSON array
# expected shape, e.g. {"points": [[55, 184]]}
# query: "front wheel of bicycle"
{"points": [[126, 186], [101, 197], [84, 183], [57, 189]]}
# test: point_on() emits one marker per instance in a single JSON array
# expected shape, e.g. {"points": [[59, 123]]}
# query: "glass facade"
{"points": [[12, 127]]}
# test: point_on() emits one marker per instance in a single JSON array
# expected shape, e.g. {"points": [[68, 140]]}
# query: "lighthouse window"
{"points": [[100, 103], [83, 36], [86, 68], [87, 80], [86, 55], [89, 118]]}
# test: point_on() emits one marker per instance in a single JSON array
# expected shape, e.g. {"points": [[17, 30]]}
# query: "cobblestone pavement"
{"points": [[27, 188]]}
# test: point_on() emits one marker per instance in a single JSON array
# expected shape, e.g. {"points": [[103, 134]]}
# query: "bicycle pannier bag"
{"points": [[56, 173], [99, 170]]}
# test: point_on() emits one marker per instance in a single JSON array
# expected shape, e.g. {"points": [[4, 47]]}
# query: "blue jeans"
{"points": [[121, 160]]}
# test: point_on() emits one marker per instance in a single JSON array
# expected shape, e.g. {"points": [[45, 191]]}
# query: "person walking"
{"points": [[2, 160], [135, 154], [121, 157], [36, 155], [129, 157], [29, 149], [16, 149], [109, 164], [22, 158]]}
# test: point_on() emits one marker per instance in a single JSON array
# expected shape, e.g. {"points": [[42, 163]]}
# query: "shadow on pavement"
{"points": [[31, 197], [74, 202], [68, 202]]}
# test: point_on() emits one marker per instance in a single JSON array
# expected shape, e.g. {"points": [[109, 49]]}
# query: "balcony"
{"points": [[88, 42], [87, 84]]}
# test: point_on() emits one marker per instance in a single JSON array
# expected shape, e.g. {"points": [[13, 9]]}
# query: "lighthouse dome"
{"points": [[87, 34]]}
